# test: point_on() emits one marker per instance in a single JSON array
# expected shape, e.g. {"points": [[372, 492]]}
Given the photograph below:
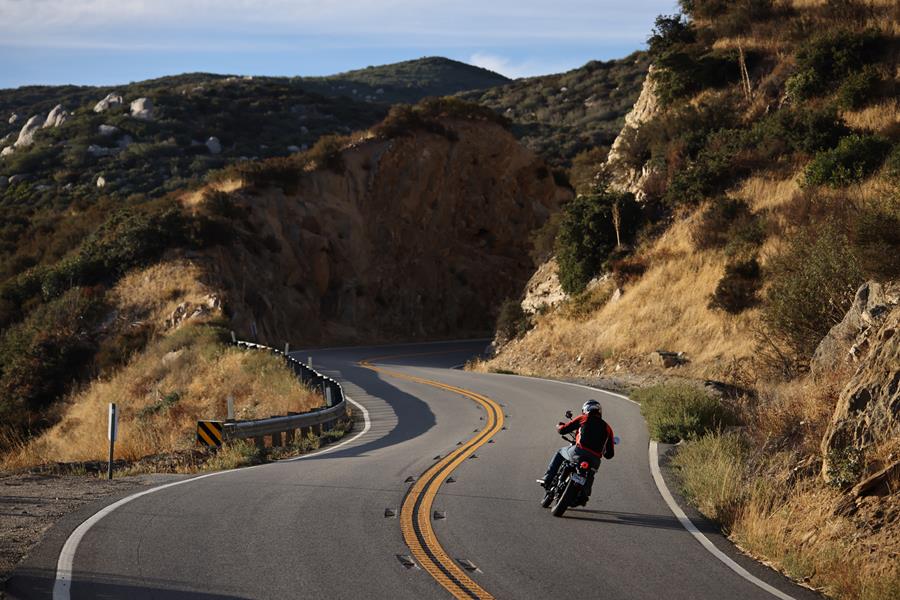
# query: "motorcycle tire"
{"points": [[566, 499], [548, 500]]}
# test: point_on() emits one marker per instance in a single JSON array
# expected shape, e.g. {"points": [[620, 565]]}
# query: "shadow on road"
{"points": [[32, 584], [413, 417], [635, 519]]}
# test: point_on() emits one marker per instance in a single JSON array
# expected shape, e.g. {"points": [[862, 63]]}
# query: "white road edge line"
{"points": [[62, 587], [689, 526], [698, 535]]}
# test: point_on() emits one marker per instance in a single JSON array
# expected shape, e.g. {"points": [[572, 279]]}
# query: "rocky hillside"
{"points": [[412, 233], [744, 230], [416, 228], [577, 112]]}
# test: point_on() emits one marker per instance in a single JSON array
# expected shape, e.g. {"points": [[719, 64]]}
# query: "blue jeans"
{"points": [[572, 454]]}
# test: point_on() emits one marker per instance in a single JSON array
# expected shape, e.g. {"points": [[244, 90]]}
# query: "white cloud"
{"points": [[515, 69]]}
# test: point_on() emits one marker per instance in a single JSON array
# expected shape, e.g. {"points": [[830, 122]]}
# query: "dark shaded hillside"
{"points": [[559, 116], [408, 81]]}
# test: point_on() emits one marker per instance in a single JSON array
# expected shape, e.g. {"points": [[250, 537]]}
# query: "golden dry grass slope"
{"points": [[186, 373]]}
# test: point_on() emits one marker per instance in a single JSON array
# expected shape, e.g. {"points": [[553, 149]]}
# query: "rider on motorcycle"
{"points": [[594, 441]]}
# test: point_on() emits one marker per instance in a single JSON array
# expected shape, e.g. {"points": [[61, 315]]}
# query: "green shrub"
{"points": [[854, 158], [830, 57], [512, 321], [737, 289], [859, 88], [892, 166], [727, 221], [812, 283], [587, 234], [680, 412], [718, 166], [800, 129], [43, 355]]}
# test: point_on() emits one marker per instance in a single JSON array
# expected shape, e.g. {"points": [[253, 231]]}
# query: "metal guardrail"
{"points": [[283, 428]]}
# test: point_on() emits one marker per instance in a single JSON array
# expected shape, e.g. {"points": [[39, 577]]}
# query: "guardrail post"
{"points": [[260, 442]]}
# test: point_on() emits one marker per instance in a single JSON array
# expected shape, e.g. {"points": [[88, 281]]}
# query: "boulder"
{"points": [[112, 99], [7, 151], [142, 108], [56, 117], [101, 181], [13, 119], [99, 151], [666, 359], [293, 149], [214, 145], [868, 408], [847, 340], [26, 135], [14, 179], [107, 130]]}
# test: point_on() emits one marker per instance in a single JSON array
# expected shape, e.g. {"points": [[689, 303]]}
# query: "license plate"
{"points": [[578, 479]]}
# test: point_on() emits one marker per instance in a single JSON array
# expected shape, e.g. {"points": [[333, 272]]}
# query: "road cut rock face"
{"points": [[422, 235], [868, 409]]}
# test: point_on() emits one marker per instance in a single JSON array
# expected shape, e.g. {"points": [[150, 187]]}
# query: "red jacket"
{"points": [[594, 434]]}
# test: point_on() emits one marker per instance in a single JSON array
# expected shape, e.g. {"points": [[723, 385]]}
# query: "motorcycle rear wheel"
{"points": [[566, 498]]}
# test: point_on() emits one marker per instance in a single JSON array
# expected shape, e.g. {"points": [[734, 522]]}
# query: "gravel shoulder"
{"points": [[31, 503]]}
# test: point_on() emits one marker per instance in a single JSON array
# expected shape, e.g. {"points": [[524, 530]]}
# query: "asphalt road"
{"points": [[319, 527]]}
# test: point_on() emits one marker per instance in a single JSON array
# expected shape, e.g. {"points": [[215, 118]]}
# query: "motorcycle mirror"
{"points": [[616, 440], [568, 414]]}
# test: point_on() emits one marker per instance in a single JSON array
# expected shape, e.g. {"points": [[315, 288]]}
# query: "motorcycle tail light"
{"points": [[585, 465]]}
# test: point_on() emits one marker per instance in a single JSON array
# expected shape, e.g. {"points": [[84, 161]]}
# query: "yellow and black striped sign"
{"points": [[209, 433]]}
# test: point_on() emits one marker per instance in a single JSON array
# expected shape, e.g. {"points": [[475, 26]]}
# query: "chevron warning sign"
{"points": [[209, 433]]}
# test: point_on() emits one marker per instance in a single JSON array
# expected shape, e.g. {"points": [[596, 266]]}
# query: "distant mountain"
{"points": [[560, 115], [407, 81]]}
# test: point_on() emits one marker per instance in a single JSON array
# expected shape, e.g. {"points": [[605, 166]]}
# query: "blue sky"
{"points": [[103, 42]]}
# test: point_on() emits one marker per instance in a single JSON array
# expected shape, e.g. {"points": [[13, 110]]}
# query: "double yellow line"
{"points": [[415, 514]]}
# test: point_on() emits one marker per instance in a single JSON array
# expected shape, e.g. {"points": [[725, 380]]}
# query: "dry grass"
{"points": [[665, 309], [880, 118], [151, 295], [183, 377], [798, 530], [762, 486]]}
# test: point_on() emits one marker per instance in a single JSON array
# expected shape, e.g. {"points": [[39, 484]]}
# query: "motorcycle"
{"points": [[568, 487]]}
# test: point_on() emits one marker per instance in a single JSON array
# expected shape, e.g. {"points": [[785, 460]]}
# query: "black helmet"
{"points": [[592, 405]]}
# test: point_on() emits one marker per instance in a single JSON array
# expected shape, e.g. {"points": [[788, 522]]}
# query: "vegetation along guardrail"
{"points": [[283, 429]]}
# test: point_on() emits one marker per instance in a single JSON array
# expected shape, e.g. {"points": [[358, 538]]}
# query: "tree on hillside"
{"points": [[591, 228]]}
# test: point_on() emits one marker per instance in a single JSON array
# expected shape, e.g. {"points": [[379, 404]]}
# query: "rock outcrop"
{"points": [[142, 108], [214, 145], [623, 176], [868, 408], [112, 99], [56, 117], [26, 135], [7, 151], [107, 130], [849, 340], [543, 290], [420, 235]]}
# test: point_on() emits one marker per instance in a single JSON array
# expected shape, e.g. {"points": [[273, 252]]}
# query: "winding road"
{"points": [[432, 496]]}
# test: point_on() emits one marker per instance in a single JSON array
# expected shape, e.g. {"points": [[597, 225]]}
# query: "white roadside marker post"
{"points": [[230, 401], [111, 434]]}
